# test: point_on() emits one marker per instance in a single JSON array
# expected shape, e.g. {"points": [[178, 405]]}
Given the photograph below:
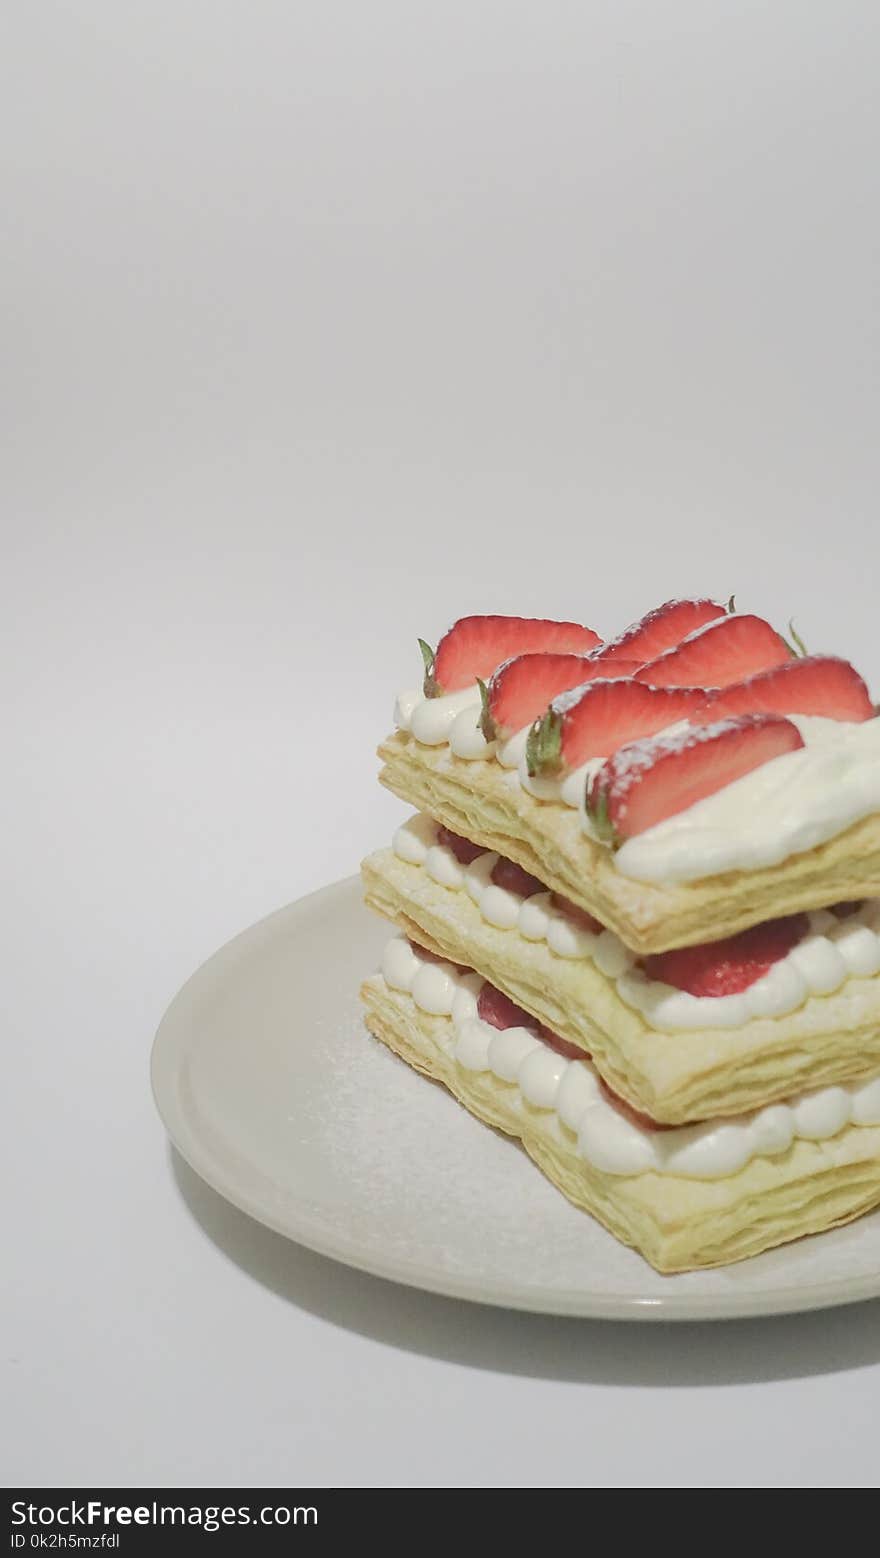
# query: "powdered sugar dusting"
{"points": [[566, 701], [645, 625], [628, 763], [699, 632]]}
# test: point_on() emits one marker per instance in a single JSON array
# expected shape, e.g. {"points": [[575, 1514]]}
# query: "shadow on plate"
{"points": [[599, 1352]]}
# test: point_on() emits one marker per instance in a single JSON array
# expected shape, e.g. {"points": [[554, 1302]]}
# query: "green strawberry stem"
{"points": [[486, 722], [430, 686], [797, 645], [597, 815], [544, 745]]}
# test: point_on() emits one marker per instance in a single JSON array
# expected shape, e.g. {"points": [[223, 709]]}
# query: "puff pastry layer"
{"points": [[677, 1077], [677, 1224], [477, 799]]}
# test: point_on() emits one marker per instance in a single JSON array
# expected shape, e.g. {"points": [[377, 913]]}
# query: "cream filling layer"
{"points": [[784, 808], [833, 951], [571, 1089]]}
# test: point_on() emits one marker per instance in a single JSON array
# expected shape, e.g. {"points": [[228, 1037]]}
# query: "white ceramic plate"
{"points": [[273, 1091]]}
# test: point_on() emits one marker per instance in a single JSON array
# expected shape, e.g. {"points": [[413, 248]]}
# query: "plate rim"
{"points": [[166, 1059]]}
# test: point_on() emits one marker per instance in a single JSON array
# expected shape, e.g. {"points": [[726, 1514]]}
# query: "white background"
{"points": [[324, 323]]}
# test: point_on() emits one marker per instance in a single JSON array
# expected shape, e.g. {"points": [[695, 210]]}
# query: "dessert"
{"points": [[637, 918]]}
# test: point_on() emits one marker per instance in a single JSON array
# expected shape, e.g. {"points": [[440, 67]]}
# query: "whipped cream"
{"points": [[431, 720], [453, 719], [571, 1089], [536, 918], [789, 805], [832, 952]]}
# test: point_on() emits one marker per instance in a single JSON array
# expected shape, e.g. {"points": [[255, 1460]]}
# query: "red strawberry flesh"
{"points": [[523, 687], [463, 850], [562, 1046], [727, 650], [507, 874], [475, 646], [596, 720], [645, 783], [661, 628], [816, 685], [499, 1011], [726, 967], [629, 1112], [579, 915]]}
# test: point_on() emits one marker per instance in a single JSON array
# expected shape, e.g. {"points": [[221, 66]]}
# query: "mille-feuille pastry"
{"points": [[685, 1197], [690, 1053], [681, 1035]]}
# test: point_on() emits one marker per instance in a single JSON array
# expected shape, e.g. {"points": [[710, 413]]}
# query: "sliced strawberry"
{"points": [[818, 684], [724, 651], [647, 782], [562, 1046], [522, 688], [635, 1116], [728, 966], [595, 720], [662, 628], [576, 913], [506, 874], [849, 907], [463, 850], [500, 1012], [475, 646]]}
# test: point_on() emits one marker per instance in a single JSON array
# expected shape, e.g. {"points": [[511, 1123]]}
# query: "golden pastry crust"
{"points": [[477, 800], [690, 1075], [677, 1224]]}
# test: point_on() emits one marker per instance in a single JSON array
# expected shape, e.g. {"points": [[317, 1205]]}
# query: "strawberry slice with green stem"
{"points": [[662, 628], [727, 650], [474, 646], [821, 685], [593, 721], [522, 688], [648, 781]]}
